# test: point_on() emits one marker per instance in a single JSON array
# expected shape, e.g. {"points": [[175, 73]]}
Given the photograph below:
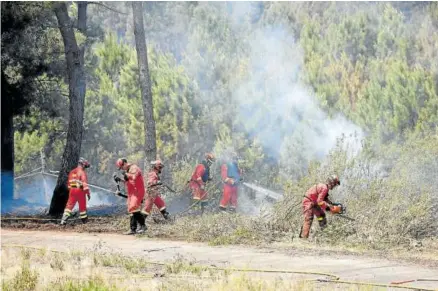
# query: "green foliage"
{"points": [[114, 114], [25, 279], [374, 63], [28, 147], [94, 283], [364, 65]]}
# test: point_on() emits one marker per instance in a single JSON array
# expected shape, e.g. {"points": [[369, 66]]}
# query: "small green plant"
{"points": [[56, 262], [132, 265], [179, 265], [94, 283], [41, 253], [222, 240], [25, 253], [24, 280]]}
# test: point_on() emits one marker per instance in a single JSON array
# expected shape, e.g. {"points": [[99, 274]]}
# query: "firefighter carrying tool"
{"points": [[153, 191], [199, 179], [118, 191], [135, 187], [231, 176], [316, 202], [77, 184]]}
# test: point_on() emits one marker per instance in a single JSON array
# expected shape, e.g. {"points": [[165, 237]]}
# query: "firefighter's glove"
{"points": [[117, 179], [336, 209], [89, 197], [231, 181], [125, 176]]}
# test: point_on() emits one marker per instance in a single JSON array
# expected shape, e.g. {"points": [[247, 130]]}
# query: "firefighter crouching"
{"points": [[153, 191], [316, 202], [231, 176], [199, 178], [77, 184], [135, 187]]}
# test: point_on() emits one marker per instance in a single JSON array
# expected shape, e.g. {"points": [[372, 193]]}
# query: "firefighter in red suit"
{"points": [[316, 203], [200, 177], [135, 187], [77, 184], [231, 176], [153, 191]]}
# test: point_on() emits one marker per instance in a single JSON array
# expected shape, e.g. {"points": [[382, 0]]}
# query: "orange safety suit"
{"points": [[230, 174], [77, 184], [135, 188], [197, 183], [153, 193], [315, 203]]}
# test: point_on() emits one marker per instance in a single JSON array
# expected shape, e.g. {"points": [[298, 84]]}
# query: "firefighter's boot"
{"points": [[322, 221], [141, 220], [165, 214], [132, 225], [64, 219], [203, 205], [84, 220]]}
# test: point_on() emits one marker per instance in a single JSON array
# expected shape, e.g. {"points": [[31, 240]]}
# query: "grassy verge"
{"points": [[28, 269]]}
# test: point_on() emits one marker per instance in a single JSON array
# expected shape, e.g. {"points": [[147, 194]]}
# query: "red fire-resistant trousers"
{"points": [[150, 201], [135, 195], [198, 193], [229, 195], [310, 210], [77, 195]]}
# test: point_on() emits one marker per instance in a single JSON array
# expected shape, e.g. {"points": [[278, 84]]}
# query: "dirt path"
{"points": [[351, 268]]}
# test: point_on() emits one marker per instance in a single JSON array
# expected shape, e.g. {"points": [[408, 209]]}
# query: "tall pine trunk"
{"points": [[76, 81], [7, 132], [145, 83]]}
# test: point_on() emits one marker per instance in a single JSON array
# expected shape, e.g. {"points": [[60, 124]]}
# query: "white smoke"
{"points": [[275, 105]]}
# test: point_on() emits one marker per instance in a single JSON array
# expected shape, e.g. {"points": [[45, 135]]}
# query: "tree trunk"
{"points": [[145, 83], [7, 163], [76, 81]]}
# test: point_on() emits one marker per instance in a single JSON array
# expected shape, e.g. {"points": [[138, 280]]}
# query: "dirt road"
{"points": [[351, 268]]}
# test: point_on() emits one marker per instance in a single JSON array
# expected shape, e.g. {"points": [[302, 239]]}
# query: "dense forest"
{"points": [[293, 87]]}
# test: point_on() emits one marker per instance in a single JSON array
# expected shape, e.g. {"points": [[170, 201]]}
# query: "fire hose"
{"points": [[334, 278]]}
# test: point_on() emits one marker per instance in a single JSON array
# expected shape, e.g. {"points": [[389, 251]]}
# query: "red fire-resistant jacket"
{"points": [[153, 179], [78, 181], [196, 180], [317, 195], [135, 183]]}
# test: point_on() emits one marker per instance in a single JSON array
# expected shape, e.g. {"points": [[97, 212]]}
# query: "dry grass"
{"points": [[106, 271], [389, 192]]}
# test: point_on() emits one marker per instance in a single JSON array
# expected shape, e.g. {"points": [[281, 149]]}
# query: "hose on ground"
{"points": [[335, 279], [47, 219]]}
